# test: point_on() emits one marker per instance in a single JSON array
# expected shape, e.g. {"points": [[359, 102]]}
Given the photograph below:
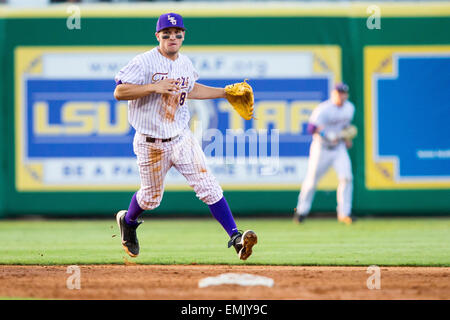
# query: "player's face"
{"points": [[170, 40], [339, 97]]}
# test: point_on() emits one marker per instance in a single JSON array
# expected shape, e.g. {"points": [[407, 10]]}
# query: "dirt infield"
{"points": [[180, 282]]}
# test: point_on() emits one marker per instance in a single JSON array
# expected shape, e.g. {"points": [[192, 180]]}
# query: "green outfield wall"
{"points": [[398, 76]]}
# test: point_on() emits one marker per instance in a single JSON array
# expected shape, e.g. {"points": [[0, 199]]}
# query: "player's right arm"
{"points": [[129, 91], [132, 82], [316, 124], [316, 120]]}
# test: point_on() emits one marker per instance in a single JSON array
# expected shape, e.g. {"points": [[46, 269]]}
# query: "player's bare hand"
{"points": [[166, 86], [348, 143]]}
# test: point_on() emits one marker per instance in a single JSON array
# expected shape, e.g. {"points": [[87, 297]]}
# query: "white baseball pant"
{"points": [[320, 160], [154, 160]]}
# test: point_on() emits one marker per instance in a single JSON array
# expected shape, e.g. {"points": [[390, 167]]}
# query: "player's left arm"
{"points": [[201, 92], [348, 143], [351, 129]]}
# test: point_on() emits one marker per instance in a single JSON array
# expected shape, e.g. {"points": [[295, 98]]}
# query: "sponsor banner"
{"points": [[406, 117], [71, 134], [101, 171]]}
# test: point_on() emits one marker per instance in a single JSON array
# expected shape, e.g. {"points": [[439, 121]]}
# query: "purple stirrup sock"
{"points": [[133, 211], [221, 211]]}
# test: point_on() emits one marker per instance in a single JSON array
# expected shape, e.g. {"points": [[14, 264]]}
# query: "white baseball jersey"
{"points": [[165, 116], [331, 118], [323, 155], [156, 115]]}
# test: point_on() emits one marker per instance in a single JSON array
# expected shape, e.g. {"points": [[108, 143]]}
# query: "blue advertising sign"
{"points": [[73, 135]]}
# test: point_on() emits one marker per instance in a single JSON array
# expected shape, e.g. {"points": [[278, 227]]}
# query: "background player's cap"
{"points": [[169, 20], [341, 87]]}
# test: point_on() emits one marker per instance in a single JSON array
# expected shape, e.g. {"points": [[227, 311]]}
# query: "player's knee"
{"points": [[149, 205], [212, 198], [309, 184], [207, 189], [346, 180], [149, 200], [210, 195]]}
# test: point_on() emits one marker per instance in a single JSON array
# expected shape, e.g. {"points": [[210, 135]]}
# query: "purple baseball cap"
{"points": [[169, 20], [341, 87]]}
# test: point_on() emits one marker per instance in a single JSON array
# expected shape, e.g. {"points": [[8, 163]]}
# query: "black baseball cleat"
{"points": [[298, 218], [243, 243], [128, 236]]}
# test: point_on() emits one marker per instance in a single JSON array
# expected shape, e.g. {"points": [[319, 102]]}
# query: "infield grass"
{"points": [[400, 241]]}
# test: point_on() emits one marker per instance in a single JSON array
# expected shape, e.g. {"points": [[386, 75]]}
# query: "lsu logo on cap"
{"points": [[172, 20], [169, 20]]}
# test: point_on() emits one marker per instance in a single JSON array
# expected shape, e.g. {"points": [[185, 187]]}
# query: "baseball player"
{"points": [[157, 85], [327, 149]]}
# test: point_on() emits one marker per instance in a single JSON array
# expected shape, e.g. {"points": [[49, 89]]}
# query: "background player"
{"points": [[157, 84], [328, 149]]}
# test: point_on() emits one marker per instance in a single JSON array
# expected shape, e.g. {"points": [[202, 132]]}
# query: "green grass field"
{"points": [[402, 241]]}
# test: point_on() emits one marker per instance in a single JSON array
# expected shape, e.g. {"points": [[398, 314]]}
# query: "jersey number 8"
{"points": [[182, 98]]}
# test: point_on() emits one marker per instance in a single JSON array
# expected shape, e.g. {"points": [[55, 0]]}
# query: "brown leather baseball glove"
{"points": [[240, 96]]}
